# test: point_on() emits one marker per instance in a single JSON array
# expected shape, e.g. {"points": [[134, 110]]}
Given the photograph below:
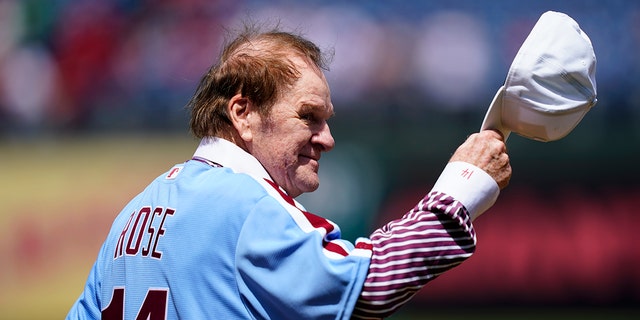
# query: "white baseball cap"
{"points": [[551, 83]]}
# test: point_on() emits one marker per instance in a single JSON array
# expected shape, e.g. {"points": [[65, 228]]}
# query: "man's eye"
{"points": [[308, 117]]}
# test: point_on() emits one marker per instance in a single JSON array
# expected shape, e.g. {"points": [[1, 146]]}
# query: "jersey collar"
{"points": [[229, 155]]}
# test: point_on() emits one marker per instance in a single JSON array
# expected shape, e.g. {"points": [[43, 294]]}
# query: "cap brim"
{"points": [[493, 118]]}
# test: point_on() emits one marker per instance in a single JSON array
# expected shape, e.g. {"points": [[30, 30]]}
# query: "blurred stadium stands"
{"points": [[80, 65]]}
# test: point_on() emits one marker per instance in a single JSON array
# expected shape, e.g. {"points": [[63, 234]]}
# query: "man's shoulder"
{"points": [[221, 180]]}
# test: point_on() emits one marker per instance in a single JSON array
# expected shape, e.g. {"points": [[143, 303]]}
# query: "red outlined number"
{"points": [[154, 306]]}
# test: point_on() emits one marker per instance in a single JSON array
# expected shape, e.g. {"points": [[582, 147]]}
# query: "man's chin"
{"points": [[309, 186], [305, 180]]}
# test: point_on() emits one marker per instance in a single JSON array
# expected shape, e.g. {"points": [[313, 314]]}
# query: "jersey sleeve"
{"points": [[435, 236], [288, 271], [432, 238]]}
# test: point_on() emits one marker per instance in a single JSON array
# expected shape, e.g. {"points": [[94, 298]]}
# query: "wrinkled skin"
{"points": [[488, 151], [289, 143]]}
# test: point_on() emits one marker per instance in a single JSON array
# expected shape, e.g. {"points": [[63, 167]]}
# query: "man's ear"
{"points": [[239, 110]]}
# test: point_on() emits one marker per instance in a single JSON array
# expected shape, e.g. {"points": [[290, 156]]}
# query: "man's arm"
{"points": [[432, 238], [437, 234]]}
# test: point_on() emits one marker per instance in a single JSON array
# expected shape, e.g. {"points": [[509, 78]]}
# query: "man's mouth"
{"points": [[316, 158]]}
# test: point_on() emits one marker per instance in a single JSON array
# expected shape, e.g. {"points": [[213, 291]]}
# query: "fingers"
{"points": [[493, 133], [488, 151], [502, 174]]}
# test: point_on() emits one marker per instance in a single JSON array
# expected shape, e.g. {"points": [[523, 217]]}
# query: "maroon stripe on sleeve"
{"points": [[435, 236]]}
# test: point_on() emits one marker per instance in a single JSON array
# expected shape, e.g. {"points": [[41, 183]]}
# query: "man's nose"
{"points": [[324, 138]]}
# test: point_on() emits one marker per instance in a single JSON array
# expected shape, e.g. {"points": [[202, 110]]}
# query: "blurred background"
{"points": [[92, 96]]}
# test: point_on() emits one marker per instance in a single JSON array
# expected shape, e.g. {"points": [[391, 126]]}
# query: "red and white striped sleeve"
{"points": [[435, 236]]}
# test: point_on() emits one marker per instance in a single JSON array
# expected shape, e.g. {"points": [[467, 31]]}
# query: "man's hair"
{"points": [[254, 64]]}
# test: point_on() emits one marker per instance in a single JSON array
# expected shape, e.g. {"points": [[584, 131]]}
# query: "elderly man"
{"points": [[221, 236]]}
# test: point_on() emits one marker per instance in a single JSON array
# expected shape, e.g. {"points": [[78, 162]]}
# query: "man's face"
{"points": [[290, 141]]}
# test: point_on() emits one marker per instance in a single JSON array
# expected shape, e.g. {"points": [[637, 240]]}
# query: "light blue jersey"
{"points": [[209, 242]]}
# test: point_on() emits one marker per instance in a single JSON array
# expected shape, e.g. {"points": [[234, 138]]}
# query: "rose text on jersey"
{"points": [[140, 229]]}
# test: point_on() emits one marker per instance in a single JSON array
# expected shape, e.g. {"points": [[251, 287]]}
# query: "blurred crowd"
{"points": [[110, 65], [70, 65]]}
